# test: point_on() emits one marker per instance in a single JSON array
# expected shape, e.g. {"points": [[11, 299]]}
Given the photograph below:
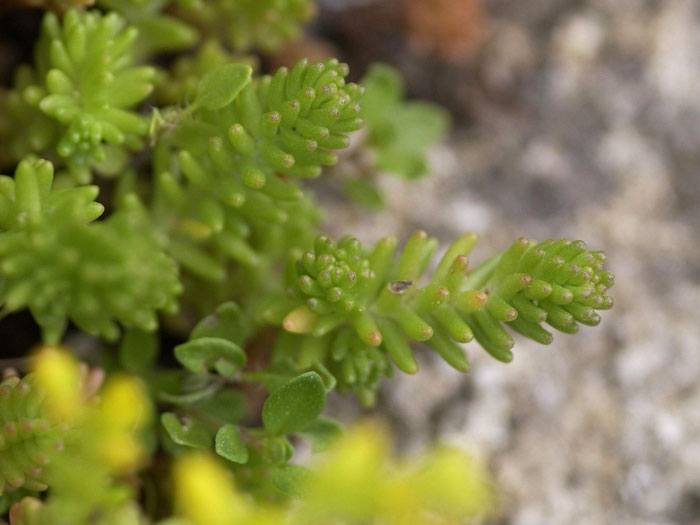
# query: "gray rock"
{"points": [[588, 126]]}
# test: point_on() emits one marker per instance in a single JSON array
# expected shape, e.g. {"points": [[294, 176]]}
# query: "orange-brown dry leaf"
{"points": [[311, 48], [452, 29]]}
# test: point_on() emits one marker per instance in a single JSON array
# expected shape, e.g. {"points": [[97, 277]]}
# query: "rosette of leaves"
{"points": [[24, 128], [334, 281], [246, 24], [359, 307], [87, 83], [229, 166], [61, 265], [28, 437]]}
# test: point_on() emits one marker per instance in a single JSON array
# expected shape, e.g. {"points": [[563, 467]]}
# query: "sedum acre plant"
{"points": [[157, 221]]}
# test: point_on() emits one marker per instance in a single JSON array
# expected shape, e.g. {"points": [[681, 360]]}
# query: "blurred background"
{"points": [[575, 118]]}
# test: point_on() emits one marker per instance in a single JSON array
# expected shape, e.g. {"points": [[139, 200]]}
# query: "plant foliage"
{"points": [[160, 216]]}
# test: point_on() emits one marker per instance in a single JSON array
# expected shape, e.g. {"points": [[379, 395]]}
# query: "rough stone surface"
{"points": [[585, 123]]}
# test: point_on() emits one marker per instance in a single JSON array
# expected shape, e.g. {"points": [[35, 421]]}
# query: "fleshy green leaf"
{"points": [[295, 405], [220, 86], [198, 355], [229, 444]]}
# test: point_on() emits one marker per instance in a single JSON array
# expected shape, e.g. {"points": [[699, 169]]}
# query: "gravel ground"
{"points": [[582, 120]]}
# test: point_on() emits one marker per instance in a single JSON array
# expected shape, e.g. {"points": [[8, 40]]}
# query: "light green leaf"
{"points": [[198, 355], [229, 444], [292, 407], [222, 85], [291, 479], [227, 322], [322, 433], [383, 89], [366, 193], [186, 431], [226, 405], [138, 351]]}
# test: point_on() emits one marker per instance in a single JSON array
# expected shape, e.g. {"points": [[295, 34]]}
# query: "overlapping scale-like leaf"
{"points": [[357, 307], [558, 282], [230, 167], [286, 124]]}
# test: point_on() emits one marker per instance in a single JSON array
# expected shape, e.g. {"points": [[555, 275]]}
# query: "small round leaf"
{"points": [[292, 407], [198, 355], [229, 444], [221, 86], [189, 433]]}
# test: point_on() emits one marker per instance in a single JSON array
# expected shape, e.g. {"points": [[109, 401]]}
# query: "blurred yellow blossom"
{"points": [[124, 409], [206, 495], [57, 373], [359, 480]]}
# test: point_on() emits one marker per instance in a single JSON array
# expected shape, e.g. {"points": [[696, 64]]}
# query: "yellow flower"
{"points": [[57, 374], [360, 481], [204, 492], [123, 411], [348, 481], [445, 487]]}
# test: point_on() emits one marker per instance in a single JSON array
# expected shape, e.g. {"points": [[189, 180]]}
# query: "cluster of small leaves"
{"points": [[227, 168], [558, 282], [361, 307], [399, 133], [85, 81], [205, 413], [101, 444], [61, 265], [28, 437], [245, 24], [225, 209], [158, 31], [357, 481]]}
